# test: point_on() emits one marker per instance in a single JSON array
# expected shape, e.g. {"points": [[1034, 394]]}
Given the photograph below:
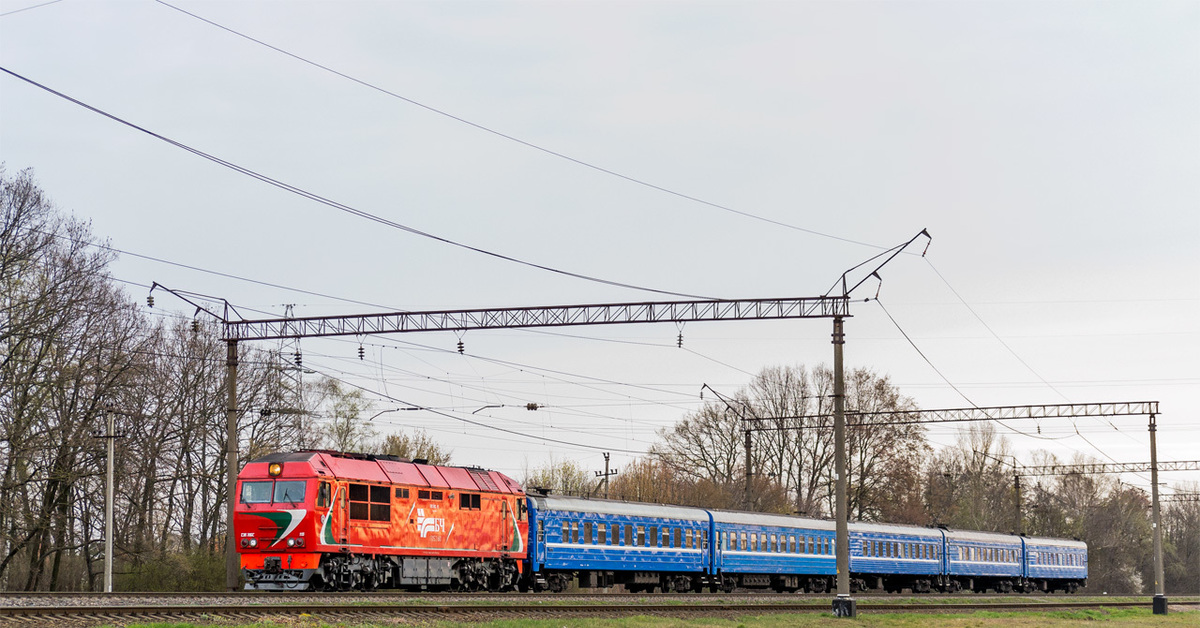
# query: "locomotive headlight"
{"points": [[291, 543], [253, 542], [274, 469]]}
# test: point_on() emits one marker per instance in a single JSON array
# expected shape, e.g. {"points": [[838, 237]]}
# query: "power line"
{"points": [[348, 300], [943, 375], [36, 6], [477, 423], [343, 207], [947, 380], [1019, 358], [517, 140]]}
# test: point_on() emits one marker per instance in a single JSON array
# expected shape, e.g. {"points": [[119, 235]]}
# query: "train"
{"points": [[326, 520]]}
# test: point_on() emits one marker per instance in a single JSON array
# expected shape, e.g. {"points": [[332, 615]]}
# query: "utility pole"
{"points": [[111, 436], [1019, 523], [843, 604], [232, 568], [749, 470], [1160, 598], [606, 474]]}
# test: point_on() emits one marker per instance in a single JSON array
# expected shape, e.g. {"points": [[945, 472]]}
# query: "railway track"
{"points": [[483, 610]]}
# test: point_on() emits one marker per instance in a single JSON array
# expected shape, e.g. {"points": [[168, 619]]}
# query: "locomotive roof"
{"points": [[611, 507], [393, 470]]}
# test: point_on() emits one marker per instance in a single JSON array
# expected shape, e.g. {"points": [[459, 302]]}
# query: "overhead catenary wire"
{"points": [[312, 196], [30, 8], [518, 140], [1022, 361], [943, 375], [478, 423], [973, 404]]}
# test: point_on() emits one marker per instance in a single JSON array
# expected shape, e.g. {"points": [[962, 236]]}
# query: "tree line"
{"points": [[894, 476], [78, 349]]}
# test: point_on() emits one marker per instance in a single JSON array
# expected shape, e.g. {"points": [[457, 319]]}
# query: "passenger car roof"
{"points": [[982, 537], [769, 519], [610, 507]]}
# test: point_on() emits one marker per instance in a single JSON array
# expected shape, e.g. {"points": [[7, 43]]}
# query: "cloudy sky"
{"points": [[1052, 149]]}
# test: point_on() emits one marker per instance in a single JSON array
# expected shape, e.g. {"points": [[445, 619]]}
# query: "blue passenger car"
{"points": [[1055, 564], [642, 546], [648, 547], [757, 550], [896, 557], [983, 560]]}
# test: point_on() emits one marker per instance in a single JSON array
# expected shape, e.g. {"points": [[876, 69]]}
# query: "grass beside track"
{"points": [[980, 619]]}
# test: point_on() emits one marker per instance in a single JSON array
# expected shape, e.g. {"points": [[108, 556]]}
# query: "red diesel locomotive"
{"points": [[338, 521]]}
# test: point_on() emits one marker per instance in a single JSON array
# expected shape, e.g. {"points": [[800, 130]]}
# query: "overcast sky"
{"points": [[1052, 149]]}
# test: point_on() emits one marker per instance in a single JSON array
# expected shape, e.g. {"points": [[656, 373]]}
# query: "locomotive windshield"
{"points": [[290, 491], [256, 492], [279, 492]]}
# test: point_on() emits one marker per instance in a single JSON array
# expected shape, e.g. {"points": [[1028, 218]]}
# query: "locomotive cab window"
{"points": [[289, 491], [323, 495], [256, 492], [468, 501]]}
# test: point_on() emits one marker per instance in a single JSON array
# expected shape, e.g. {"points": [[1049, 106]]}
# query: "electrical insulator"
{"points": [[195, 326], [460, 346], [679, 340], [360, 352], [150, 300], [296, 357]]}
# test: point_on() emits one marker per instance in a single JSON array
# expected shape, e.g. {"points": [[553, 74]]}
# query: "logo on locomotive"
{"points": [[425, 525]]}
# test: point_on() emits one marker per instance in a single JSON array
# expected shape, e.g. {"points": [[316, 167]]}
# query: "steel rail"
{"points": [[295, 609]]}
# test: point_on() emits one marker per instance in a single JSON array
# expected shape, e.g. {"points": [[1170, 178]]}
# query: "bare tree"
{"points": [[345, 427], [566, 477], [416, 446]]}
